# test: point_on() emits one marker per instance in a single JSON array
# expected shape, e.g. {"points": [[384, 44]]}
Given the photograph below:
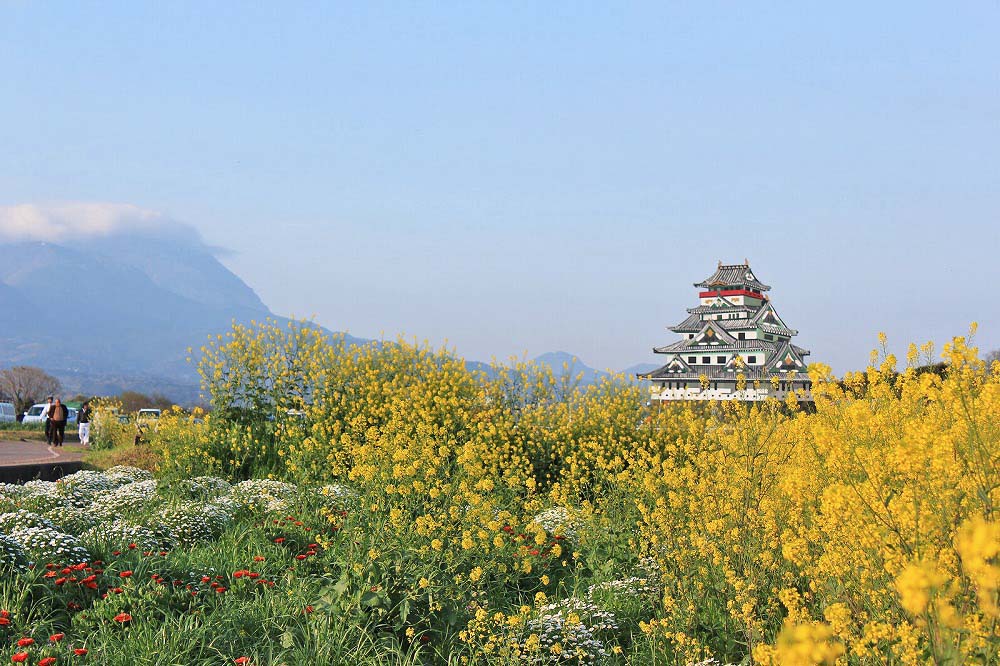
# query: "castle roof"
{"points": [[715, 373], [732, 275]]}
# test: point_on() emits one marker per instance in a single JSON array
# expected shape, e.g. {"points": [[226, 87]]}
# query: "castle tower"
{"points": [[734, 333]]}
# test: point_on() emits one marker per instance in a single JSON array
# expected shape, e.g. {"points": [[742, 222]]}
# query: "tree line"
{"points": [[26, 385]]}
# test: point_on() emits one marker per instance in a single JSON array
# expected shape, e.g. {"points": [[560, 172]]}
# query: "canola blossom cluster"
{"points": [[512, 517]]}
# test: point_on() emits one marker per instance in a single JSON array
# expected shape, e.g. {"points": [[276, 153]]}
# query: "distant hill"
{"points": [[564, 362], [640, 368], [117, 313], [120, 313]]}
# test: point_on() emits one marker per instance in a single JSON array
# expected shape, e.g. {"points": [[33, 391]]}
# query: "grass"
{"points": [[141, 456]]}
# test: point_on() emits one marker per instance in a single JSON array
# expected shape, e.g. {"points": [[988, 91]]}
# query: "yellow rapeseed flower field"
{"points": [[863, 531]]}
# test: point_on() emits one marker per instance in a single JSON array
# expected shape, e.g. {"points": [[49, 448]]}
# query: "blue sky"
{"points": [[525, 177]]}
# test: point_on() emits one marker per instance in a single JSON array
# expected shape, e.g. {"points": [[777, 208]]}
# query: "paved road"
{"points": [[27, 453]]}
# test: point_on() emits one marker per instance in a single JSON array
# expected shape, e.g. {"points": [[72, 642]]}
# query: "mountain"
{"points": [[117, 313], [563, 363], [120, 312], [640, 369]]}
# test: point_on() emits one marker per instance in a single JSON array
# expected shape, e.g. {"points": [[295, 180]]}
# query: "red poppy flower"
{"points": [[4, 613], [133, 546], [55, 638], [19, 657], [4, 621], [241, 660], [46, 661], [280, 540], [123, 618], [79, 651], [220, 590], [125, 574], [300, 557], [259, 558], [25, 642], [309, 609]]}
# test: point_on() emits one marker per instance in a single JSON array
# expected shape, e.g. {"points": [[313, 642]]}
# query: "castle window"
{"points": [[706, 359], [720, 359], [751, 359], [742, 335]]}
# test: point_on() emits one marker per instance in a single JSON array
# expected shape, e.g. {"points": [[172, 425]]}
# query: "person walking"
{"points": [[83, 420], [58, 414], [48, 422]]}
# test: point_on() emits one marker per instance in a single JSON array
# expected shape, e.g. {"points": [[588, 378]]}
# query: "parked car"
{"points": [[37, 413], [7, 413]]}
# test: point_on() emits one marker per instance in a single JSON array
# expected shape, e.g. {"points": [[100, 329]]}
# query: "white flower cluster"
{"points": [[129, 499], [42, 496], [557, 522], [122, 474], [13, 490], [561, 641], [596, 618], [71, 519], [49, 545], [10, 496], [190, 524], [19, 519], [339, 497], [205, 487], [80, 488], [120, 534], [263, 495], [633, 586], [12, 555]]}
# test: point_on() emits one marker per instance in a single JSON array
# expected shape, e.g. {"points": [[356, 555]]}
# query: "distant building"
{"points": [[734, 333]]}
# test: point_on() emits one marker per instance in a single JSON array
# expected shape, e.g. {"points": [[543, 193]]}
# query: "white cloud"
{"points": [[85, 220]]}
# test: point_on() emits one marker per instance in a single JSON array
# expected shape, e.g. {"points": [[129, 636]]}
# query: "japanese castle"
{"points": [[733, 337]]}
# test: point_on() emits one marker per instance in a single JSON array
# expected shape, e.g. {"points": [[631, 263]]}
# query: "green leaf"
{"points": [[404, 610], [287, 640]]}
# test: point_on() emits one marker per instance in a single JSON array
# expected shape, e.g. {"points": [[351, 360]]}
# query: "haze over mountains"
{"points": [[118, 308]]}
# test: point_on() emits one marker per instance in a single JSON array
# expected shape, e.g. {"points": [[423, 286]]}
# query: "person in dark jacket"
{"points": [[83, 419], [58, 415]]}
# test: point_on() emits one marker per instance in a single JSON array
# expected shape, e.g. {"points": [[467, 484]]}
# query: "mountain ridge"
{"points": [[106, 315]]}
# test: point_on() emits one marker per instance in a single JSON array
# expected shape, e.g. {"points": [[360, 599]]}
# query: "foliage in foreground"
{"points": [[865, 532]]}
